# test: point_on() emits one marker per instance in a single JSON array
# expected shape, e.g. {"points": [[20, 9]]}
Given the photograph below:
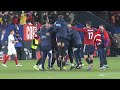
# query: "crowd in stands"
{"points": [[31, 17], [112, 17]]}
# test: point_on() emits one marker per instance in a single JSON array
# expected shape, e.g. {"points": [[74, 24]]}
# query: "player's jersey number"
{"points": [[90, 35]]}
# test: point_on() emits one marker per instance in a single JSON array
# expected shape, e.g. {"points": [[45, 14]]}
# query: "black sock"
{"points": [[91, 61], [101, 65], [87, 60], [38, 61], [63, 64], [53, 61]]}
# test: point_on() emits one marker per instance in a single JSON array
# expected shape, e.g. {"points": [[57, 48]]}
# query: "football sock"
{"points": [[38, 62], [6, 57], [63, 64], [16, 60], [53, 61], [87, 60]]}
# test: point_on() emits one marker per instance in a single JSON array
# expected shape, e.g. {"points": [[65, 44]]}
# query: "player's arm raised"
{"points": [[77, 29]]}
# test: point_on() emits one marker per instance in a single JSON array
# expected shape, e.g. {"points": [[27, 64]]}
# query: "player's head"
{"points": [[46, 23], [3, 31], [60, 17], [88, 24], [102, 27], [12, 32]]}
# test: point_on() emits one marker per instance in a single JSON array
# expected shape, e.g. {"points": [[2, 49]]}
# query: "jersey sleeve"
{"points": [[79, 29]]}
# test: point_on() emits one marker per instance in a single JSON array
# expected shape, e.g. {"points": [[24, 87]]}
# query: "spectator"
{"points": [[3, 40], [23, 18], [53, 17], [34, 18], [16, 19], [18, 46], [118, 38], [113, 19], [34, 46], [38, 25], [45, 16], [71, 16], [114, 46], [10, 16], [1, 18], [29, 18], [4, 25], [66, 17], [5, 17]]}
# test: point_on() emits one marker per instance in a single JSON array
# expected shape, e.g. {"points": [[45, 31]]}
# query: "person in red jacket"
{"points": [[16, 19], [101, 40]]}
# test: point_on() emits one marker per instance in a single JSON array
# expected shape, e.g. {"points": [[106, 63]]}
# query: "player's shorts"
{"points": [[88, 49], [62, 50], [11, 50]]}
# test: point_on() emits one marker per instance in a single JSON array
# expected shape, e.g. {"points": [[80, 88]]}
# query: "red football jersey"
{"points": [[88, 34]]}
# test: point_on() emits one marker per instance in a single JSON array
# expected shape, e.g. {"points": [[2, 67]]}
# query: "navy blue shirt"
{"points": [[102, 38], [45, 39]]}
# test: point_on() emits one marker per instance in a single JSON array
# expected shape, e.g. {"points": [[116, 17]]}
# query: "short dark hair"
{"points": [[2, 29], [89, 23], [60, 16], [11, 30], [44, 22], [102, 25]]}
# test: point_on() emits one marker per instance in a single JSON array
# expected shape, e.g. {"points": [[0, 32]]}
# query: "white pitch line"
{"points": [[106, 74]]}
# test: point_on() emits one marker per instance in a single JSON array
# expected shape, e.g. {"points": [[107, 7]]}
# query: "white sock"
{"points": [[72, 64]]}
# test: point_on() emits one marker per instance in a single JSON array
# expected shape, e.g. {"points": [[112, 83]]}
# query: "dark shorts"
{"points": [[62, 40], [62, 50], [88, 49]]}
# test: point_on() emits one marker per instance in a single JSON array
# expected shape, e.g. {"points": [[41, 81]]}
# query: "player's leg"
{"points": [[80, 65], [70, 53], [59, 54], [53, 56], [16, 61], [6, 56], [50, 59], [101, 57], [91, 62], [91, 52], [86, 52], [41, 65], [104, 58], [64, 53], [15, 57], [76, 57], [36, 66]]}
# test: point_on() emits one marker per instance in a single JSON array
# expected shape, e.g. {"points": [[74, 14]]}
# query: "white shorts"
{"points": [[11, 50]]}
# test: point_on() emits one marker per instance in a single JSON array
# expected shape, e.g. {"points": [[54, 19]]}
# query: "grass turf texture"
{"points": [[27, 71]]}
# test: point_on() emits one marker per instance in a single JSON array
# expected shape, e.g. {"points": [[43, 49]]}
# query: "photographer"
{"points": [[18, 46]]}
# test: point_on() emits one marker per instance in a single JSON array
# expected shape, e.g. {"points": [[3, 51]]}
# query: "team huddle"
{"points": [[60, 40]]}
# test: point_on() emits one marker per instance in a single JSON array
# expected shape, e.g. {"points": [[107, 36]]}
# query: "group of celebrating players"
{"points": [[60, 40]]}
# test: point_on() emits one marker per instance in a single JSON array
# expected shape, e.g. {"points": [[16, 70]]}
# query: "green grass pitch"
{"points": [[27, 71]]}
